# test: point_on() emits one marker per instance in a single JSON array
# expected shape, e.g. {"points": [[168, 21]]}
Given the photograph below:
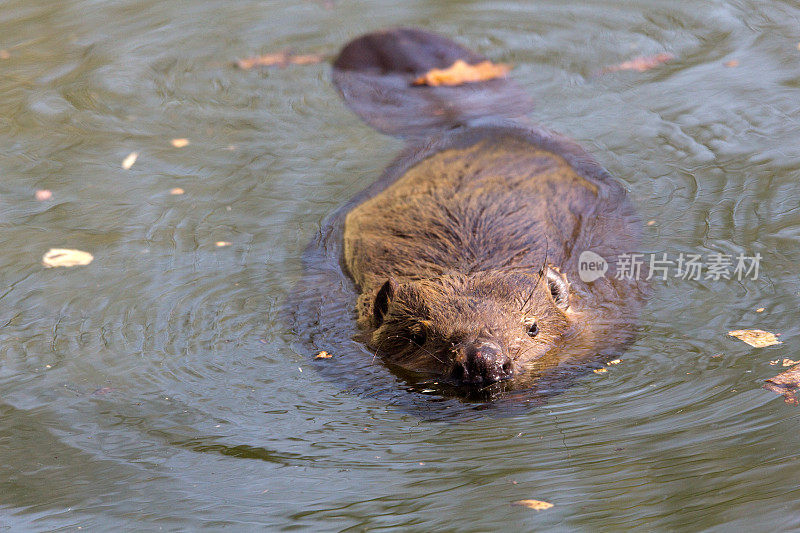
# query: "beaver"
{"points": [[465, 254]]}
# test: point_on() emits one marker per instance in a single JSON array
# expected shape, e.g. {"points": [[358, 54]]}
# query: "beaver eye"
{"points": [[418, 337], [533, 329]]}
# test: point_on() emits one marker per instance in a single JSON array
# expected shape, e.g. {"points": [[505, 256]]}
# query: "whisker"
{"points": [[541, 275], [431, 354]]}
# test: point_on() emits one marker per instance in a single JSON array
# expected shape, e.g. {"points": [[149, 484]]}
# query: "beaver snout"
{"points": [[481, 362]]}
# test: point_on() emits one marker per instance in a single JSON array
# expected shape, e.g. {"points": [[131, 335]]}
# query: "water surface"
{"points": [[158, 387]]}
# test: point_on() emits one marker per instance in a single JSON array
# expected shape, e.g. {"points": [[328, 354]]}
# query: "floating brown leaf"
{"points": [[756, 338], [63, 257], [641, 64], [323, 355], [462, 72], [279, 59], [536, 505], [786, 384]]}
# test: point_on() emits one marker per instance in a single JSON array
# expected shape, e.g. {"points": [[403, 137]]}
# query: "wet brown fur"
{"points": [[473, 234], [472, 237]]}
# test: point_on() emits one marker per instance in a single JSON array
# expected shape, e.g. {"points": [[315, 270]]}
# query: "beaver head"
{"points": [[470, 328]]}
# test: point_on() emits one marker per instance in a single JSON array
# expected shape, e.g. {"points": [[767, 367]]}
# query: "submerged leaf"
{"points": [[641, 64], [63, 257], [462, 72], [755, 337]]}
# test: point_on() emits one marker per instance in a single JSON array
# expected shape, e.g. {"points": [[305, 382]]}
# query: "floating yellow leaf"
{"points": [[279, 59], [462, 72], [760, 310], [733, 63], [306, 59], [615, 361], [221, 244], [536, 505], [755, 337], [179, 143], [266, 60], [176, 191], [323, 355], [128, 162], [600, 370], [63, 257]]}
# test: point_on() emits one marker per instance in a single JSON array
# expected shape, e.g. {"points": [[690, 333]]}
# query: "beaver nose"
{"points": [[481, 362]]}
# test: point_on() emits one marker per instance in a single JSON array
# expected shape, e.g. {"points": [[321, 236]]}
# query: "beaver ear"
{"points": [[382, 300], [559, 286]]}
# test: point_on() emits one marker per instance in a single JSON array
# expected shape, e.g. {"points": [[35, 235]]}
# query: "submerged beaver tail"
{"points": [[375, 73]]}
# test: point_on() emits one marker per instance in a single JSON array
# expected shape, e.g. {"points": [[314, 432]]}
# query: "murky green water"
{"points": [[158, 386]]}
